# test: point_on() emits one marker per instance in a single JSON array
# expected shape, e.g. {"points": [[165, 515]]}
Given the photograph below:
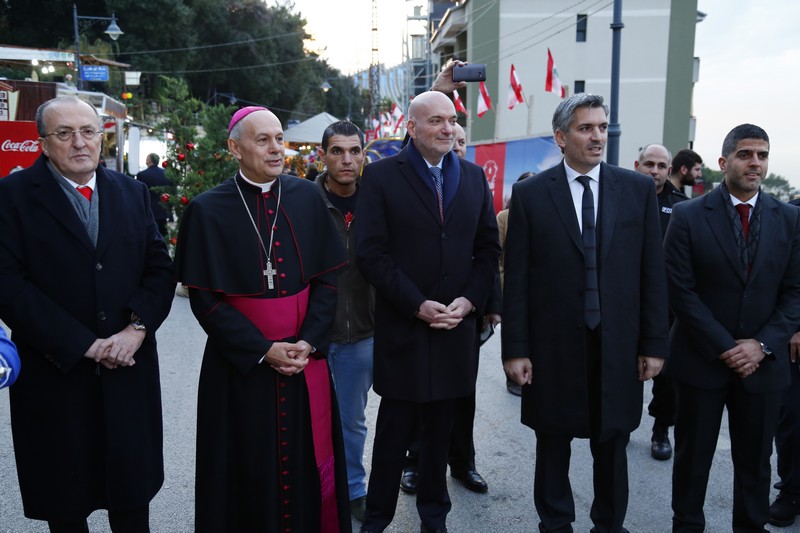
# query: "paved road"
{"points": [[505, 457]]}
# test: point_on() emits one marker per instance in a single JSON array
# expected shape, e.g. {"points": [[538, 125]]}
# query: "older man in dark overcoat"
{"points": [[427, 241], [85, 281]]}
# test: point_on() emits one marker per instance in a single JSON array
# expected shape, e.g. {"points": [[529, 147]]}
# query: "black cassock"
{"points": [[256, 464]]}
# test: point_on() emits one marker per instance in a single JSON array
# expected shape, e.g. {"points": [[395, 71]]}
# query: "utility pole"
{"points": [[375, 68], [614, 130]]}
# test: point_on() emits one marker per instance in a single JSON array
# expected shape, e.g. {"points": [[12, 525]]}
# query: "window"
{"points": [[580, 86], [580, 29]]}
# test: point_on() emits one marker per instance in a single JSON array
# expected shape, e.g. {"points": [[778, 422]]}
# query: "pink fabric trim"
{"points": [[280, 318]]}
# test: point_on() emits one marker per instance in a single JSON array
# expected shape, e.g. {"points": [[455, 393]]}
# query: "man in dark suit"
{"points": [[427, 241], [584, 320], [85, 281], [733, 261], [154, 176]]}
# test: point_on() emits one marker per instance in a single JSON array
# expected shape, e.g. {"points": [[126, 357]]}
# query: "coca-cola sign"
{"points": [[23, 146], [19, 145]]}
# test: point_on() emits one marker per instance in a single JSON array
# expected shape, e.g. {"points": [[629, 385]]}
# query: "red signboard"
{"points": [[19, 145], [492, 158]]}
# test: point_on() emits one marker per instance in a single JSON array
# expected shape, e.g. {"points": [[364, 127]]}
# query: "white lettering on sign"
{"points": [[24, 146]]}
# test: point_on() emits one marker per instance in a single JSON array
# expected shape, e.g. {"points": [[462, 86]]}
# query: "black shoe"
{"points": [[784, 509], [660, 448], [423, 529], [513, 388], [408, 483], [471, 479]]}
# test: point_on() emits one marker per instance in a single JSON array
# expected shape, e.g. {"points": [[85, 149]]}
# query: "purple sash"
{"points": [[281, 318]]}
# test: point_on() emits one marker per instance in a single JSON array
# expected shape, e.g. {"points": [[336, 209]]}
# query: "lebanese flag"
{"points": [[458, 103], [398, 117], [553, 83], [514, 90], [484, 102]]}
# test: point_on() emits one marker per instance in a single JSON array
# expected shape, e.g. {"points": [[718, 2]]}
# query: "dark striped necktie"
{"points": [[592, 291]]}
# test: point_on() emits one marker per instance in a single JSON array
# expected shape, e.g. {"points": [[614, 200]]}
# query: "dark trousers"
{"points": [[552, 492], [787, 438], [393, 433], [135, 521], [664, 404], [752, 419]]}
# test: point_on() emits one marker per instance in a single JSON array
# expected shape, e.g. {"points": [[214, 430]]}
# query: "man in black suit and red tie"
{"points": [[733, 262], [428, 243], [584, 320]]}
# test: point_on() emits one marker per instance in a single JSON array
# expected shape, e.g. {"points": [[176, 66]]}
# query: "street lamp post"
{"points": [[112, 31]]}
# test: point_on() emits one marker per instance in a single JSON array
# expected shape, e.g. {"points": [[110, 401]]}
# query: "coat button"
{"points": [[99, 266], [444, 276], [280, 260], [101, 315], [444, 236]]}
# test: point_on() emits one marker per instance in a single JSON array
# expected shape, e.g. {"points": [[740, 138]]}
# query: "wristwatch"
{"points": [[765, 349], [136, 323]]}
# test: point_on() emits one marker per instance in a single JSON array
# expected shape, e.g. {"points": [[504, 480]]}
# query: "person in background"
{"points": [[154, 176], [9, 361], [686, 169], [654, 161], [350, 352], [502, 229]]}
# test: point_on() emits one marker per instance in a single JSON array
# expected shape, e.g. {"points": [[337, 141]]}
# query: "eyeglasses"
{"points": [[65, 135]]}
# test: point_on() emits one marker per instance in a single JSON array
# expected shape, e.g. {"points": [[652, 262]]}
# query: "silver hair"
{"points": [[40, 128], [562, 117], [236, 131]]}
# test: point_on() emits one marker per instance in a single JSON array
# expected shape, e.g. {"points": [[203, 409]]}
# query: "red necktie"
{"points": [[85, 191], [744, 215]]}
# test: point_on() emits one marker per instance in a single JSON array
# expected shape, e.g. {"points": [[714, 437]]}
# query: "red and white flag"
{"points": [[484, 102], [514, 90], [398, 116], [553, 83], [458, 103]]}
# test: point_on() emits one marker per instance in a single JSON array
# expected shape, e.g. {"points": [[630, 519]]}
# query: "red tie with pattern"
{"points": [[744, 215], [85, 191]]}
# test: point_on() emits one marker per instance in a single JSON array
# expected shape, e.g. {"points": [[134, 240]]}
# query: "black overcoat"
{"points": [[543, 298], [410, 255], [85, 437]]}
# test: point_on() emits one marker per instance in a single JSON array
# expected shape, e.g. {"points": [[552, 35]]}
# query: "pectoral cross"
{"points": [[270, 273]]}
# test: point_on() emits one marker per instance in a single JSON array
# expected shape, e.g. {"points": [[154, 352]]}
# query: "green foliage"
{"points": [[197, 156]]}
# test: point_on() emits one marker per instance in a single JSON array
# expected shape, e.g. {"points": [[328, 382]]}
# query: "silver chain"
{"points": [[267, 251]]}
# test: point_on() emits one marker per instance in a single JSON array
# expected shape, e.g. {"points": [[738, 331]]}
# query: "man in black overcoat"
{"points": [[154, 176], [428, 243], [584, 320], [85, 281]]}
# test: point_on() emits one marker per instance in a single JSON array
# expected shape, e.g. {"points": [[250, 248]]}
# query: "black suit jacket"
{"points": [[715, 302], [409, 255], [543, 297], [154, 176], [58, 293]]}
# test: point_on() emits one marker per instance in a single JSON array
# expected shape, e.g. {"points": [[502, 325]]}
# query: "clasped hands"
{"points": [[440, 316], [288, 358], [117, 350], [744, 357]]}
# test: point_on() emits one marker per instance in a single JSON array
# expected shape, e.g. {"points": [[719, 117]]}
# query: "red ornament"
{"points": [[165, 197], [181, 157], [190, 146], [184, 200], [173, 241], [165, 163]]}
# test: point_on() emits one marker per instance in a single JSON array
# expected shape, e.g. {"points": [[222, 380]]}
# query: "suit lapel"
{"points": [[424, 190], [721, 228], [562, 198], [608, 205], [48, 193], [766, 235], [110, 198]]}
